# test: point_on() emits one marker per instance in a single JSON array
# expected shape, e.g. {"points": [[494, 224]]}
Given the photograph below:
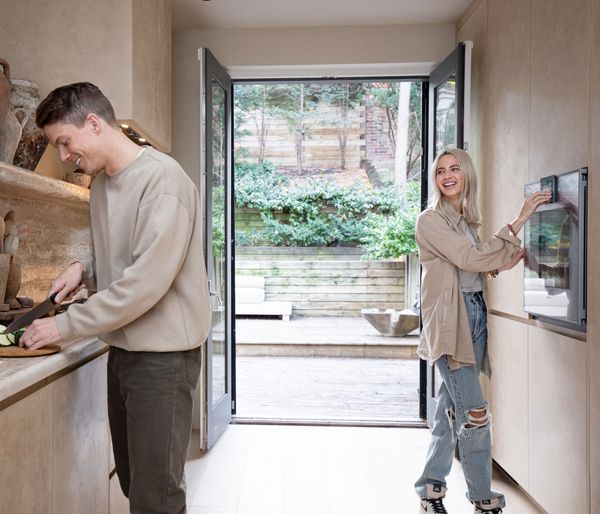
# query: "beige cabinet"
{"points": [[55, 448]]}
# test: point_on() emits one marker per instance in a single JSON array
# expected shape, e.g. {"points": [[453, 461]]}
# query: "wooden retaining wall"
{"points": [[329, 287], [321, 146], [299, 253]]}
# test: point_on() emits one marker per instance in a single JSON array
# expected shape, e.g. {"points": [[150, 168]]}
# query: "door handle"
{"points": [[215, 294]]}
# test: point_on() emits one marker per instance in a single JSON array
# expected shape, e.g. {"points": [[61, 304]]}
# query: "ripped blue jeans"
{"points": [[459, 398]]}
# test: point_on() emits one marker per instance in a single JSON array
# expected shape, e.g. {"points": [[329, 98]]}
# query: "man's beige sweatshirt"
{"points": [[148, 262]]}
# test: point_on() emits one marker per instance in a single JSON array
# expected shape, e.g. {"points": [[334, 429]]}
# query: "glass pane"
{"points": [[219, 343], [551, 286], [445, 114]]}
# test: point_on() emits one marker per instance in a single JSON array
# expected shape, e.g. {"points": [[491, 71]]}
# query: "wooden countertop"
{"points": [[19, 377]]}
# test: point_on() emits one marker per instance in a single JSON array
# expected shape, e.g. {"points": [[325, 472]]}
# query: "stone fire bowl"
{"points": [[390, 322]]}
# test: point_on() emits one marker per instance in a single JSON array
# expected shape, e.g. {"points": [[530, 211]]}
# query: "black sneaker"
{"points": [[488, 506], [433, 506]]}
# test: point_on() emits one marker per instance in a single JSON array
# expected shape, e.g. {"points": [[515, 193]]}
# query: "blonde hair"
{"points": [[469, 207]]}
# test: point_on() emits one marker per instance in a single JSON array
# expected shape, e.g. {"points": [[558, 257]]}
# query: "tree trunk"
{"points": [[400, 170], [300, 133]]}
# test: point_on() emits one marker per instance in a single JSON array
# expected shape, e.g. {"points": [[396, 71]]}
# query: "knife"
{"points": [[37, 312]]}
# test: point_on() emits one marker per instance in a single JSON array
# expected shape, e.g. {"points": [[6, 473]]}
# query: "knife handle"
{"points": [[53, 297]]}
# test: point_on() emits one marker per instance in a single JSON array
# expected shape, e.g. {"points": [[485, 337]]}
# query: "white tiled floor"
{"points": [[256, 469]]}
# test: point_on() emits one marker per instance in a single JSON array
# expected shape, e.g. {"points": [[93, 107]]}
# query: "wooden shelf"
{"points": [[21, 183]]}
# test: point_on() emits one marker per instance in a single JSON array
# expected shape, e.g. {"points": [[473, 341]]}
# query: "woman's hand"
{"points": [[514, 261], [529, 206]]}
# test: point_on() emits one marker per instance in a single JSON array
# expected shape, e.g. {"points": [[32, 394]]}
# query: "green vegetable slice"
{"points": [[10, 339]]}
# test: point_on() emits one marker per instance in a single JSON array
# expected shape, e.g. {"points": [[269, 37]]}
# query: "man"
{"points": [[152, 303]]}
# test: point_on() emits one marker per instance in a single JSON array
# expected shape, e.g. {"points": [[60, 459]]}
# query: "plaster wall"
{"points": [[538, 111], [56, 43], [151, 70]]}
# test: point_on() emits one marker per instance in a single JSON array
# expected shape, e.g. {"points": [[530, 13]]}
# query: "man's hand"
{"points": [[40, 333], [68, 283]]}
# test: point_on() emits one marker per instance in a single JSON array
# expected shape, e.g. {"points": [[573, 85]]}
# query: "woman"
{"points": [[454, 336]]}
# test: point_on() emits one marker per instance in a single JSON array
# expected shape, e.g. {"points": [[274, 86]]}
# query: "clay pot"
{"points": [[4, 90], [13, 284], [33, 142], [10, 134], [79, 178]]}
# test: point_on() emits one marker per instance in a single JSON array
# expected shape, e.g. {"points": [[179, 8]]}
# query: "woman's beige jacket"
{"points": [[444, 249]]}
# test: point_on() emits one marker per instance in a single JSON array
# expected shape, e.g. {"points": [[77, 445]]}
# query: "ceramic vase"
{"points": [[4, 90], [33, 142], [10, 134]]}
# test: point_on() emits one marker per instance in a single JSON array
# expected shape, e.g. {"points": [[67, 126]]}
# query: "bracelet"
{"points": [[511, 229], [494, 273]]}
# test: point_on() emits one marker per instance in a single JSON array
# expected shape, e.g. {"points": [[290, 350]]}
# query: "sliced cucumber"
{"points": [[18, 335], [10, 339]]}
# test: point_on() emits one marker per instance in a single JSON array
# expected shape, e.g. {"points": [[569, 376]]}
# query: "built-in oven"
{"points": [[555, 257]]}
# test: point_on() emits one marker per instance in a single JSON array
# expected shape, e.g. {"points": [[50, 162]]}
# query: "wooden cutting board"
{"points": [[16, 351]]}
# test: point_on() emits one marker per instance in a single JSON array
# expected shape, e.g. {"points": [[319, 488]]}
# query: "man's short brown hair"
{"points": [[72, 104]]}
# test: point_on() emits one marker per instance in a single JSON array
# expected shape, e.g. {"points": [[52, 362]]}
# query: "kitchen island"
{"points": [[55, 449]]}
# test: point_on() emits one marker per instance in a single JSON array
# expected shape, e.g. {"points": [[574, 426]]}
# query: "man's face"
{"points": [[76, 144]]}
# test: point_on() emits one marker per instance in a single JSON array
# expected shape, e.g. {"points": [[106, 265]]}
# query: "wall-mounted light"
{"points": [[133, 135]]}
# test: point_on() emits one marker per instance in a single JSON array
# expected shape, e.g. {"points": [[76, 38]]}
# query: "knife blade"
{"points": [[37, 312]]}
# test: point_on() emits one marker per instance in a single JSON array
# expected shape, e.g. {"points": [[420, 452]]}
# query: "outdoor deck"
{"points": [[324, 368], [323, 337]]}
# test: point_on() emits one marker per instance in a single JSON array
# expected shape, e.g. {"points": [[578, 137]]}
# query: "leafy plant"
{"points": [[389, 237], [218, 221], [317, 213]]}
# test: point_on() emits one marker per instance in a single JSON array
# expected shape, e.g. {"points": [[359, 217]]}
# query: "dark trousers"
{"points": [[150, 414]]}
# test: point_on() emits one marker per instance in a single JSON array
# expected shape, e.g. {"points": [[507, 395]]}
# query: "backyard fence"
{"points": [[324, 281]]}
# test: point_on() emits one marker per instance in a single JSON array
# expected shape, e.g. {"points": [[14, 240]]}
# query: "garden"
{"points": [[334, 164], [327, 165]]}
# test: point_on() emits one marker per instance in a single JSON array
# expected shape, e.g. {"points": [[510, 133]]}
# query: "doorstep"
{"points": [[320, 337]]}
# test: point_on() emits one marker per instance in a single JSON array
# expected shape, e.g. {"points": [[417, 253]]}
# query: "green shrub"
{"points": [[318, 212], [389, 237]]}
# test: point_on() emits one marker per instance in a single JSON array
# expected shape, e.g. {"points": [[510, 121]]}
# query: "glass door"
{"points": [[216, 133], [448, 113]]}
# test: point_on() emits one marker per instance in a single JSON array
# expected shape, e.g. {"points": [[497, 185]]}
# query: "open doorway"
{"points": [[327, 180]]}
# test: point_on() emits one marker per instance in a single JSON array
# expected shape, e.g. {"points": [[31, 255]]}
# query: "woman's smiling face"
{"points": [[449, 178]]}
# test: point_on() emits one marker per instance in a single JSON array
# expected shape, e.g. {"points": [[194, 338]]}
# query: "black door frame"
{"points": [[425, 80]]}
